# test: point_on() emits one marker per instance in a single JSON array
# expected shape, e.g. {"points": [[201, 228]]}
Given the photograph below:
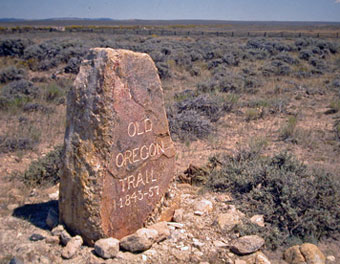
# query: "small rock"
{"points": [[240, 261], [293, 255], [223, 197], [176, 225], [139, 241], [36, 237], [43, 260], [203, 205], [220, 244], [198, 253], [198, 244], [228, 220], [330, 258], [52, 219], [199, 213], [52, 240], [262, 259], [72, 247], [162, 229], [65, 237], [57, 230], [107, 247], [305, 253], [312, 254], [126, 256], [11, 207], [185, 248], [178, 215], [258, 220], [16, 260], [247, 244]]}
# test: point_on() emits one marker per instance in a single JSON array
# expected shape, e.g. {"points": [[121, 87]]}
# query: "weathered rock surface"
{"points": [[162, 229], [52, 219], [107, 247], [72, 247], [119, 157], [247, 244], [178, 215], [139, 241], [57, 230], [304, 254], [227, 221], [256, 258], [203, 206], [65, 237]]}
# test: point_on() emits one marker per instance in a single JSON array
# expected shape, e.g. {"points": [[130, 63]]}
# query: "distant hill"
{"points": [[10, 20], [67, 21]]}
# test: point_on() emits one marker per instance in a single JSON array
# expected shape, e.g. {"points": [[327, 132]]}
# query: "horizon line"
{"points": [[177, 19]]}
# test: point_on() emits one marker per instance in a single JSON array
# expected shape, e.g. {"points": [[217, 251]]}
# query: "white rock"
{"points": [[54, 196], [330, 258], [199, 213], [107, 247], [258, 220], [186, 248], [176, 225], [203, 205]]}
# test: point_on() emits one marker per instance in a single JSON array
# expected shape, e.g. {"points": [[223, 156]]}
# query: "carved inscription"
{"points": [[142, 153], [131, 188], [143, 184]]}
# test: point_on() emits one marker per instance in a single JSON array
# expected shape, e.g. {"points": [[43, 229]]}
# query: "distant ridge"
{"points": [[68, 21]]}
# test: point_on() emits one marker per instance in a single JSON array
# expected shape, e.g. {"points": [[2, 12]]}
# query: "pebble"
{"points": [[178, 215], [199, 213], [139, 241], [330, 258], [36, 237], [65, 237], [72, 247], [176, 225], [107, 247]]}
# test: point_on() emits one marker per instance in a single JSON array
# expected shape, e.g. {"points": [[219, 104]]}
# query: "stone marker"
{"points": [[119, 157]]}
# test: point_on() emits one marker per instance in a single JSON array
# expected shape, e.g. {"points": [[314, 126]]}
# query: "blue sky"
{"points": [[273, 10]]}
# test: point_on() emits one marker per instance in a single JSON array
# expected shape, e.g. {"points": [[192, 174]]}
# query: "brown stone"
{"points": [[119, 157], [312, 254], [246, 244], [304, 254]]}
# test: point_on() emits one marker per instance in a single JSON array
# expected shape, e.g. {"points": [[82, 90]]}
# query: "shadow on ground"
{"points": [[36, 214]]}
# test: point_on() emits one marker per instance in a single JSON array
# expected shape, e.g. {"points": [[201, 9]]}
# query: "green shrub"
{"points": [[254, 114], [335, 106], [53, 92], [288, 130], [297, 203], [45, 170]]}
